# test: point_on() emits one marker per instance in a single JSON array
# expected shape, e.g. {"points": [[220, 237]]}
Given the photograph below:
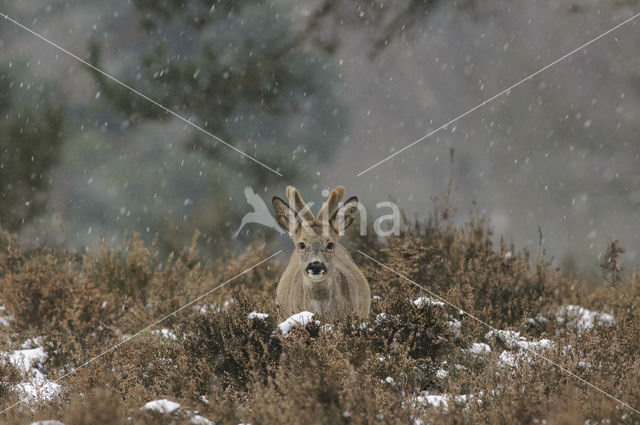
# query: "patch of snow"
{"points": [[519, 347], [5, 321], [328, 327], [200, 420], [434, 400], [538, 319], [32, 343], [478, 348], [456, 325], [441, 373], [299, 319], [47, 422], [507, 358], [161, 406], [254, 315], [37, 387], [389, 380], [202, 309], [442, 400], [584, 365], [535, 345], [582, 318], [512, 358], [25, 360], [165, 333], [510, 338], [422, 301]]}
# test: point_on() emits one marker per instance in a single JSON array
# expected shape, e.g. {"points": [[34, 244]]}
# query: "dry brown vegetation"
{"points": [[231, 369]]}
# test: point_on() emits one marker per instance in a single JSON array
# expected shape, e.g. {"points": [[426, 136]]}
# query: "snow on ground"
{"points": [[442, 400], [47, 422], [442, 373], [161, 406], [5, 321], [299, 319], [165, 333], [507, 358], [202, 309], [422, 301], [520, 349], [213, 307], [254, 315], [535, 345], [456, 325], [582, 318], [39, 389], [200, 420], [509, 338], [478, 348], [36, 387], [25, 360]]}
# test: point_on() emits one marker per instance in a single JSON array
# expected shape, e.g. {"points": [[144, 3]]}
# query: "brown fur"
{"points": [[341, 288]]}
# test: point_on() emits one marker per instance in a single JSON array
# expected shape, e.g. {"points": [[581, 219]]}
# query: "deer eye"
{"points": [[330, 245], [301, 245]]}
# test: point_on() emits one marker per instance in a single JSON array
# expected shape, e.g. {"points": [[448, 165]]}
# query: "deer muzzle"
{"points": [[316, 270]]}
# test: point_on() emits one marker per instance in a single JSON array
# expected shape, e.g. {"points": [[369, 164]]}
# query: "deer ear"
{"points": [[298, 205], [344, 215], [285, 216]]}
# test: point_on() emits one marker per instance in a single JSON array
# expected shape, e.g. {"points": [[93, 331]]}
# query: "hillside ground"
{"points": [[225, 360]]}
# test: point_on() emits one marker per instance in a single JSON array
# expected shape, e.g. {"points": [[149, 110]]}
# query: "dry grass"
{"points": [[232, 369]]}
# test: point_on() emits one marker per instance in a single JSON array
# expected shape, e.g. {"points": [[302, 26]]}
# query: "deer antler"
{"points": [[329, 208], [298, 205]]}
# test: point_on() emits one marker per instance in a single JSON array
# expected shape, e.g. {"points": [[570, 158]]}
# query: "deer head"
{"points": [[315, 239]]}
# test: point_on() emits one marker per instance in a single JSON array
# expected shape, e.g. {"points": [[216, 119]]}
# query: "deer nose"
{"points": [[316, 267]]}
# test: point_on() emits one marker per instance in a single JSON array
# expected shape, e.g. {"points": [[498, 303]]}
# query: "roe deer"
{"points": [[321, 276]]}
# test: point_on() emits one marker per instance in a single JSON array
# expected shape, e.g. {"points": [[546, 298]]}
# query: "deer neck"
{"points": [[319, 294]]}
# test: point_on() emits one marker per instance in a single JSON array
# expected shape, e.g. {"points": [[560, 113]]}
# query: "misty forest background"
{"points": [[320, 90]]}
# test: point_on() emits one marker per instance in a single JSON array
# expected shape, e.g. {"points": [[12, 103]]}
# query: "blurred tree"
{"points": [[245, 71], [30, 136]]}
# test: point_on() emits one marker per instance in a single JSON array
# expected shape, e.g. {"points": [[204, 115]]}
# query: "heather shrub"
{"points": [[39, 293], [9, 376], [227, 348], [219, 360], [316, 381], [497, 285]]}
